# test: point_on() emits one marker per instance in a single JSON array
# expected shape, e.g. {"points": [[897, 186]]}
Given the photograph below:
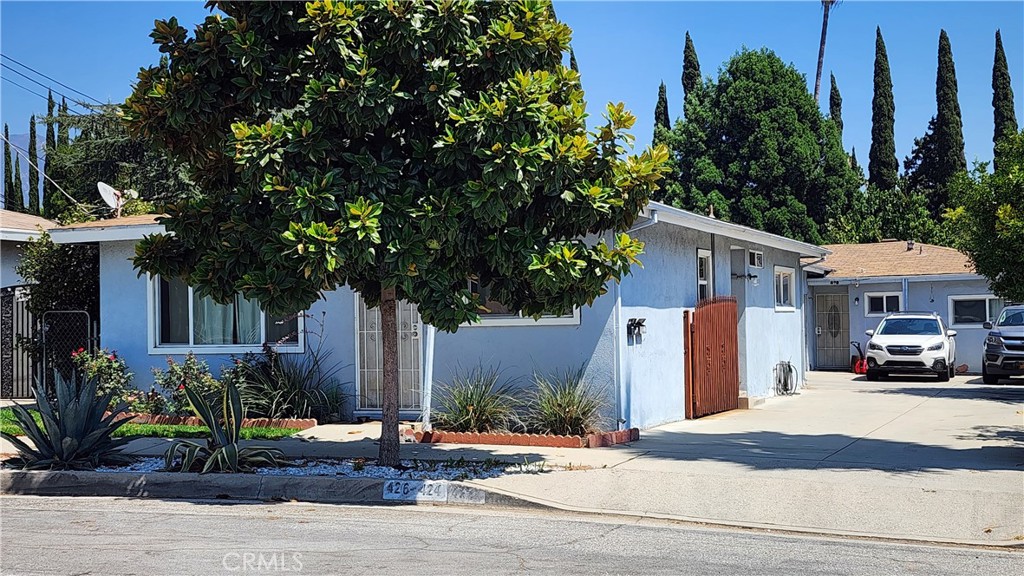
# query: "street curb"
{"points": [[372, 491], [520, 499], [250, 487]]}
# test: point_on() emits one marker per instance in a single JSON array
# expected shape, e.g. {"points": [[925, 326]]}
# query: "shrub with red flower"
{"points": [[191, 372], [110, 371]]}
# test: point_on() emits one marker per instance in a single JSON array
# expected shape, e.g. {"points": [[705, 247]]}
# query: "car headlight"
{"points": [[994, 340], [935, 347], [873, 346]]}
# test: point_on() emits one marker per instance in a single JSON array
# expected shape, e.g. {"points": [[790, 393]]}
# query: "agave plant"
{"points": [[221, 453], [75, 434]]}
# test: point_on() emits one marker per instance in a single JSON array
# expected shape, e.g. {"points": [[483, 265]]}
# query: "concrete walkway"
{"points": [[912, 458]]}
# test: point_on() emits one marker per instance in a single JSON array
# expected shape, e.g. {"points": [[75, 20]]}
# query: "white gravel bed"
{"points": [[414, 469]]}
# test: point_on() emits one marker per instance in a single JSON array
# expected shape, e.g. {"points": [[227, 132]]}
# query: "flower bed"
{"points": [[595, 440], [299, 423]]}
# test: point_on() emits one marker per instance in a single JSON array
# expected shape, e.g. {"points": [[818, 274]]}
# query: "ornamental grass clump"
{"points": [[222, 452], [75, 434], [564, 403], [478, 400]]}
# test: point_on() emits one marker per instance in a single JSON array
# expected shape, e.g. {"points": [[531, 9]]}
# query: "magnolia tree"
{"points": [[399, 148]]}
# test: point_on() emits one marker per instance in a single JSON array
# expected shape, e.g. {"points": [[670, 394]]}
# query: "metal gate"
{"points": [[712, 357], [64, 332], [370, 353], [832, 331], [17, 372]]}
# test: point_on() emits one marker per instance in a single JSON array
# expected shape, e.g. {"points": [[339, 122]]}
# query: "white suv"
{"points": [[911, 342]]}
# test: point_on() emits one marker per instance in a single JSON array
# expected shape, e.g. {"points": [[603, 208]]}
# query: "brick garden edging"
{"points": [[300, 423], [596, 440]]}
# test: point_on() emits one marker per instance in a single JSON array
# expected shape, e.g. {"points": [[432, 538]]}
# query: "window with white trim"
{"points": [[974, 310], [755, 259], [705, 285], [785, 288], [882, 303], [183, 320], [494, 313]]}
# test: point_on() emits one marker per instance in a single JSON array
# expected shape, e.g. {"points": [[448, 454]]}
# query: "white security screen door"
{"points": [[371, 357]]}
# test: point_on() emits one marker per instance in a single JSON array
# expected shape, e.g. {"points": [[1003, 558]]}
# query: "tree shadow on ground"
{"points": [[772, 450], [1001, 394]]}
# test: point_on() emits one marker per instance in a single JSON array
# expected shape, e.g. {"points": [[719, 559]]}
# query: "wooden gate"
{"points": [[712, 357]]}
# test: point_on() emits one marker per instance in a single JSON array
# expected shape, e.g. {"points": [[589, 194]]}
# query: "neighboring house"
{"points": [[16, 229], [687, 256], [858, 284]]}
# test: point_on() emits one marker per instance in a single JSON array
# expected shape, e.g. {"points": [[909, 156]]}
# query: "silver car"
{"points": [[1004, 346]]}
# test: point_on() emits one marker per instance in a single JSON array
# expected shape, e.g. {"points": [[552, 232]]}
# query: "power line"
{"points": [[29, 90], [49, 78], [34, 81], [41, 172]]}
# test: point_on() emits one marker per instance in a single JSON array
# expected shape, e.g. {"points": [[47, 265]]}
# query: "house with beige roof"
{"points": [[855, 286], [16, 228]]}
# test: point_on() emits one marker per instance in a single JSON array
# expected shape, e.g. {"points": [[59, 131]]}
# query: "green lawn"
{"points": [[9, 425]]}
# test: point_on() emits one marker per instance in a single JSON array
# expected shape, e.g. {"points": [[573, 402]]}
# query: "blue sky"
{"points": [[624, 50]]}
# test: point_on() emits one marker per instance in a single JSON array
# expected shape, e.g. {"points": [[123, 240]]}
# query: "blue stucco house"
{"points": [[856, 285], [687, 257]]}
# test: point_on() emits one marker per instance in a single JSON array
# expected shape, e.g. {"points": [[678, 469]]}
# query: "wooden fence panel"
{"points": [[713, 358]]}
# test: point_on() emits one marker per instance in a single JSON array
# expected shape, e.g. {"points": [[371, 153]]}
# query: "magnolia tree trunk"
{"points": [[389, 447]]}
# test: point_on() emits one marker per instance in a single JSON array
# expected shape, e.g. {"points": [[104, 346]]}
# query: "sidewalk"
{"points": [[917, 459]]}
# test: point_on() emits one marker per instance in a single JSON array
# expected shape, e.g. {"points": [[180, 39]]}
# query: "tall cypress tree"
{"points": [[661, 112], [572, 61], [835, 105], [883, 167], [9, 200], [51, 144], [854, 165], [18, 200], [1002, 95], [949, 129], [33, 167], [691, 67], [63, 129]]}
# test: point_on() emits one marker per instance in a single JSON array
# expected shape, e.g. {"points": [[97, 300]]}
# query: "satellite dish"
{"points": [[113, 197]]}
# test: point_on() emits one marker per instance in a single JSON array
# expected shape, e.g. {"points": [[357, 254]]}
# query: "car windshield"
{"points": [[909, 326], [1011, 318]]}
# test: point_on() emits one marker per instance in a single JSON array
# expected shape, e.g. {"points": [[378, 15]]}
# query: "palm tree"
{"points": [[826, 6]]}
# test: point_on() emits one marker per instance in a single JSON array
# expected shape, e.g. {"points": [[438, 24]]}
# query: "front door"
{"points": [[371, 358], [832, 331]]}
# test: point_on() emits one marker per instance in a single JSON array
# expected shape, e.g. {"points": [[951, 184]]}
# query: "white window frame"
{"points": [[710, 268], [496, 320], [791, 272], [156, 348], [959, 297], [883, 296], [755, 259]]}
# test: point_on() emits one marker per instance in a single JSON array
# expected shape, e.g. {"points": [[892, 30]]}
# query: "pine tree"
{"points": [[18, 201], [691, 68], [51, 143], [10, 203], [883, 167], [949, 131], [63, 129], [661, 118], [1002, 95], [33, 170], [835, 105]]}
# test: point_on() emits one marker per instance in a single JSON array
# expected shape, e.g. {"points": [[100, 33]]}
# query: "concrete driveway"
{"points": [[905, 458]]}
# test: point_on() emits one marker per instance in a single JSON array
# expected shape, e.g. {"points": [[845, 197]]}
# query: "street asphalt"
{"points": [[120, 536]]}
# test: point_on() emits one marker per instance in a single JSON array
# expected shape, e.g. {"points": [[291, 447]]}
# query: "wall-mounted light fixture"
{"points": [[636, 327], [856, 301]]}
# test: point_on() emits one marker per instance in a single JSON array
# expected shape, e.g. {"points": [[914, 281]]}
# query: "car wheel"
{"points": [[952, 369], [986, 377], [943, 375], [872, 375]]}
